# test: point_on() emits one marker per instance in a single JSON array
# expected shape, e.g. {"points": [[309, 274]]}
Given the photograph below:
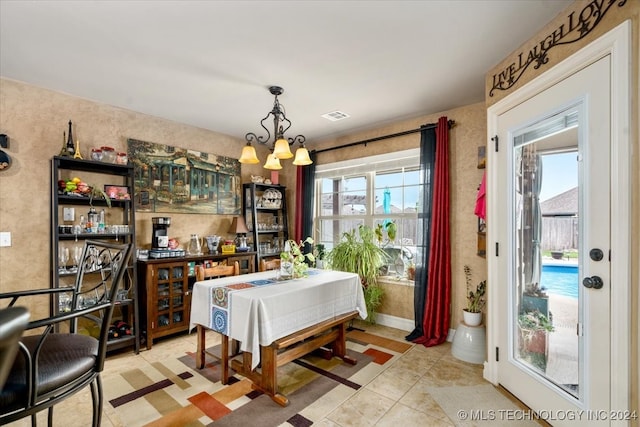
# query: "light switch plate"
{"points": [[5, 239], [68, 214]]}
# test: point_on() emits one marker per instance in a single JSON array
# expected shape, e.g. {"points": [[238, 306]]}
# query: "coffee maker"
{"points": [[160, 238]]}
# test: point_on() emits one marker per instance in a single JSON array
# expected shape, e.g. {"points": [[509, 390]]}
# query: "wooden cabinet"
{"points": [[165, 290], [167, 299], [265, 211], [67, 207]]}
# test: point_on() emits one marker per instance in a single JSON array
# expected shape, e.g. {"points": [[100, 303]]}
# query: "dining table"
{"points": [[275, 321]]}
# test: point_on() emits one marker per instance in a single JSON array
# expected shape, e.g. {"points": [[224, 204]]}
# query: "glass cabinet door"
{"points": [[171, 296]]}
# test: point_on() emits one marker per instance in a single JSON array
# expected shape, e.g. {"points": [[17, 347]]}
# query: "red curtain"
{"points": [[438, 296]]}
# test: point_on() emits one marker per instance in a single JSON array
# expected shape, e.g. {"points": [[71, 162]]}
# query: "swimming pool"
{"points": [[560, 280]]}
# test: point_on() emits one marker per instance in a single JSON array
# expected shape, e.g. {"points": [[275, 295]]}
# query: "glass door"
{"points": [[545, 298], [554, 271]]}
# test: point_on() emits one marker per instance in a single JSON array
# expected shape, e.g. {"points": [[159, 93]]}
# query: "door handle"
{"points": [[596, 254], [594, 282]]}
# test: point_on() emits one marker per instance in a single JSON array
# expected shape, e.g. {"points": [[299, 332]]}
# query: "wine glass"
{"points": [[63, 257], [77, 254]]}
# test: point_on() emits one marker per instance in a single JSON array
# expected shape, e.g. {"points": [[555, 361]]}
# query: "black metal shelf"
{"points": [[70, 163], [86, 201], [95, 236], [251, 193], [61, 166]]}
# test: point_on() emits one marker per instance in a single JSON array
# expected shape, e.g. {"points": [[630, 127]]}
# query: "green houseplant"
{"points": [[475, 299], [357, 252]]}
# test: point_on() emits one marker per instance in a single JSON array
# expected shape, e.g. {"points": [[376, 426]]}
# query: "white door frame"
{"points": [[616, 43]]}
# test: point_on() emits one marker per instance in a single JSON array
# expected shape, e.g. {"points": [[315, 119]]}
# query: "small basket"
{"points": [[228, 249]]}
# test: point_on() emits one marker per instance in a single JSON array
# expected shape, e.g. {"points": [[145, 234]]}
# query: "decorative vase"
{"points": [[472, 319]]}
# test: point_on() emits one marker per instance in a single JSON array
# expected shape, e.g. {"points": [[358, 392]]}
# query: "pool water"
{"points": [[560, 280]]}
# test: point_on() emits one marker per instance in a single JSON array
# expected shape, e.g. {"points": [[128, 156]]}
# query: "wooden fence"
{"points": [[559, 233]]}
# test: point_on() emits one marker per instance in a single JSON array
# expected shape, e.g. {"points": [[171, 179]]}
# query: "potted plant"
{"points": [[534, 328], [296, 257], [357, 252], [472, 314], [535, 297]]}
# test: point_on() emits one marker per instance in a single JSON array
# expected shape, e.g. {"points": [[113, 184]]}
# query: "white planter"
{"points": [[472, 319]]}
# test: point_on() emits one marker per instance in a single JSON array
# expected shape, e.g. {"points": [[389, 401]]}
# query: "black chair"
{"points": [[13, 321], [56, 362]]}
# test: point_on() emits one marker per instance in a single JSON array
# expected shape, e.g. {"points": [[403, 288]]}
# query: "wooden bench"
{"points": [[330, 333]]}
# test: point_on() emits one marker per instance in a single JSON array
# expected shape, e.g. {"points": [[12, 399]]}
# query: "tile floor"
{"points": [[424, 387]]}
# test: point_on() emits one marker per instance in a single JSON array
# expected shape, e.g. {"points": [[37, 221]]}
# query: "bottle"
{"points": [[92, 220], [101, 222], [71, 148], [83, 224]]}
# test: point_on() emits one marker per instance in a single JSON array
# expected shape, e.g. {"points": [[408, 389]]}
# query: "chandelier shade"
{"points": [[280, 144], [272, 163], [281, 149], [302, 157], [249, 155]]}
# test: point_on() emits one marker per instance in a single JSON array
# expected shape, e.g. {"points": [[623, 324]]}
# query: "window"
{"points": [[371, 191]]}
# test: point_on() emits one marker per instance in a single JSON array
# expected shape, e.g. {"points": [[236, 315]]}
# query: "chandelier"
{"points": [[280, 146]]}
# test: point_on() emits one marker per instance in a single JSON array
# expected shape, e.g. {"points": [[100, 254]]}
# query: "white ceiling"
{"points": [[209, 63]]}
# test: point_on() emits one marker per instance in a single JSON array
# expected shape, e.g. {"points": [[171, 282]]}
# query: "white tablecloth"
{"points": [[255, 309]]}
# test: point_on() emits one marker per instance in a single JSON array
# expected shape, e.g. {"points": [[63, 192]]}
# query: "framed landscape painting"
{"points": [[172, 179]]}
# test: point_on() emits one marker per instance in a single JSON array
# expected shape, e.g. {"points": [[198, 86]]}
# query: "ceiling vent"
{"points": [[335, 116]]}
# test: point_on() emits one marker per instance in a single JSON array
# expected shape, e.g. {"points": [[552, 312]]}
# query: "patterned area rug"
{"points": [[174, 393]]}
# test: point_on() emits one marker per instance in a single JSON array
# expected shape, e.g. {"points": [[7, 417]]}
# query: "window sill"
{"points": [[395, 280]]}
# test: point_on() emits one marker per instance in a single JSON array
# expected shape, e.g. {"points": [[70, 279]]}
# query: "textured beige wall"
{"points": [[35, 119], [465, 137]]}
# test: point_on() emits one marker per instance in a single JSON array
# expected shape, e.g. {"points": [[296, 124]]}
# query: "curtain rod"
{"points": [[451, 124]]}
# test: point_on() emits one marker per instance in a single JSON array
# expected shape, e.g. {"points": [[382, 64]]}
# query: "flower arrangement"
{"points": [[475, 298], [297, 257]]}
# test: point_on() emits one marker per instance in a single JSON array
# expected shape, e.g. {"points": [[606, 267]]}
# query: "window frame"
{"points": [[368, 167]]}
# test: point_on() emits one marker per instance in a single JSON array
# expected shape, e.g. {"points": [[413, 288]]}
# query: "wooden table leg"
{"points": [[224, 359], [269, 383], [339, 346], [201, 347]]}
